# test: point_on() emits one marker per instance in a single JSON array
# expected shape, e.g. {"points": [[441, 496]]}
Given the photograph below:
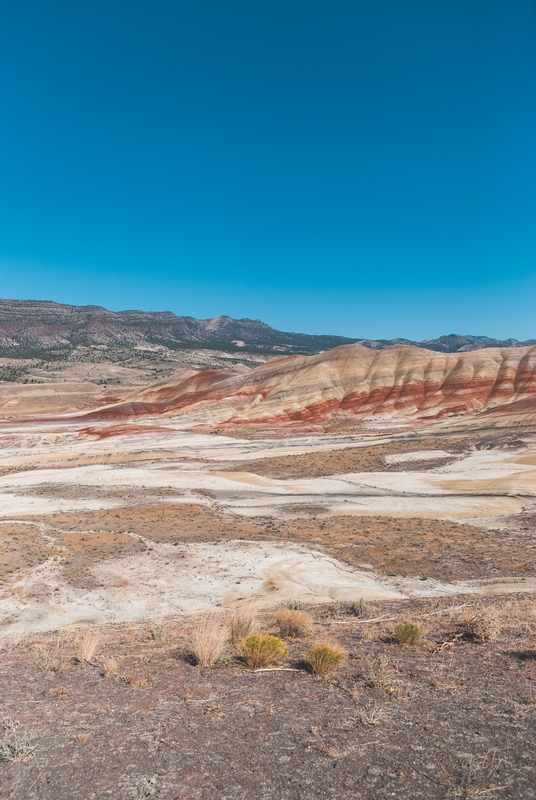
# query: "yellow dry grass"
{"points": [[292, 624], [208, 640]]}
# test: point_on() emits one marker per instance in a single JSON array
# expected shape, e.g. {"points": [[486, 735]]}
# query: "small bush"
{"points": [[407, 634], [85, 647], [110, 667], [483, 627], [243, 621], [262, 650], [324, 657], [354, 608], [293, 624], [209, 638], [296, 605]]}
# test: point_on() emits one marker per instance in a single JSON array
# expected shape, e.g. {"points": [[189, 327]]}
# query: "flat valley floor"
{"points": [[133, 533]]}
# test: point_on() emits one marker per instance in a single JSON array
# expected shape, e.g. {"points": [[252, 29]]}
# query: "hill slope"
{"points": [[30, 329], [347, 383]]}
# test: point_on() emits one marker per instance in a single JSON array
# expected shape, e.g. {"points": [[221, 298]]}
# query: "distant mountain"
{"points": [[41, 329], [453, 343]]}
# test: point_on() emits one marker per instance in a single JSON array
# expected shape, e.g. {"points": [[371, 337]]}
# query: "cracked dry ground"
{"points": [[392, 722]]}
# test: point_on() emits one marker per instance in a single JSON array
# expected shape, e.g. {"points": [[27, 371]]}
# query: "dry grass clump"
{"points": [[262, 650], [324, 657], [407, 634], [138, 681], [354, 608], [484, 626], [209, 638], [474, 779], [17, 749], [372, 715], [158, 632], [242, 621], [49, 656], [85, 647], [383, 677], [292, 624], [110, 667], [519, 616]]}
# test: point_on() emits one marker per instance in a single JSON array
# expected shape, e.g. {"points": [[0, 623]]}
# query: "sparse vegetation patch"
{"points": [[263, 650], [324, 658], [407, 634], [293, 624], [354, 608], [209, 638]]}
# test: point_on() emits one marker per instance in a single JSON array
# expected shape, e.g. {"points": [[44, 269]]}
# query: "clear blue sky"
{"points": [[360, 167]]}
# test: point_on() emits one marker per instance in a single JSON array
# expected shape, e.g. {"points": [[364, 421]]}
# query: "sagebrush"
{"points": [[263, 650], [407, 634]]}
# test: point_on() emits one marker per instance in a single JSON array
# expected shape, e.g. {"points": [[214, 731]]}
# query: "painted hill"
{"points": [[346, 384], [44, 329]]}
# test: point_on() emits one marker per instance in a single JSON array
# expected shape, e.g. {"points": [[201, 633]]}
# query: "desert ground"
{"points": [[129, 532]]}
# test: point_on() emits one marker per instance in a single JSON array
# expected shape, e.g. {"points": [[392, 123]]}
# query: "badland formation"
{"points": [[165, 481]]}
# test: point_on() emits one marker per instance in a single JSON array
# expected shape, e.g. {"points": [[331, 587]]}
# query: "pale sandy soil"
{"points": [[164, 579], [50, 471], [418, 455], [483, 484]]}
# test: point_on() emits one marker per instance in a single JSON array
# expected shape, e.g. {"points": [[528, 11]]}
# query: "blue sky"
{"points": [[365, 168]]}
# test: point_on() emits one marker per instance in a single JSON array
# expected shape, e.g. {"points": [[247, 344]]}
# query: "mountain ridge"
{"points": [[44, 327]]}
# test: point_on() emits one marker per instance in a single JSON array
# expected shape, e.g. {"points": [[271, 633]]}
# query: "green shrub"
{"points": [[262, 650], [407, 634]]}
